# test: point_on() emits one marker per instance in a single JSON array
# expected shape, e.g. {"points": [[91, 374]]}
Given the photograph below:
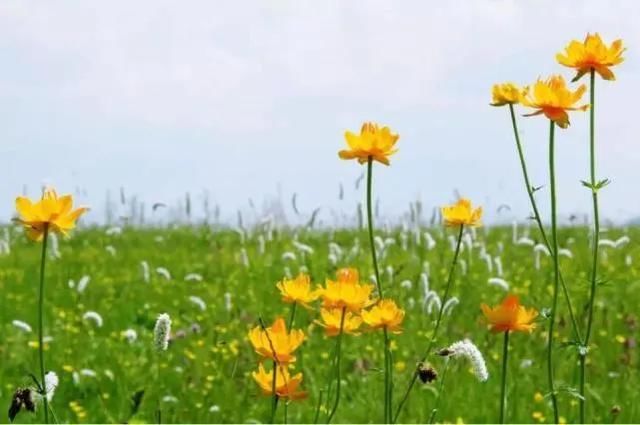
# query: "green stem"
{"points": [[292, 318], [536, 216], [596, 241], [437, 327], [339, 357], [387, 403], [503, 392], [370, 219], [317, 415], [41, 323], [556, 269], [434, 412]]}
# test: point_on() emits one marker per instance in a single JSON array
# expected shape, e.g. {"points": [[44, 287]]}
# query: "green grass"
{"points": [[214, 367]]}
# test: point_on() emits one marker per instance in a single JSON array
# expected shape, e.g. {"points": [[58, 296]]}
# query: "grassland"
{"points": [[205, 376]]}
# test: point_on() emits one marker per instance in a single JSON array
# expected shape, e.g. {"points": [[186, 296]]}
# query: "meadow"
{"points": [[205, 375]]}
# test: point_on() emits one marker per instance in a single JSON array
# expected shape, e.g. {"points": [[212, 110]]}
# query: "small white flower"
{"points": [[198, 302], [543, 249], [90, 373], [94, 317], [109, 374], [115, 230], [193, 277], [499, 282], [163, 272], [111, 250], [214, 409], [51, 382], [162, 332], [406, 284], [23, 326], [525, 241], [82, 284], [169, 399], [469, 351], [130, 335], [449, 305], [291, 256], [227, 301], [145, 271]]}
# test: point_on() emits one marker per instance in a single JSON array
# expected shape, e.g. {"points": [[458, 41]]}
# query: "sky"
{"points": [[248, 101]]}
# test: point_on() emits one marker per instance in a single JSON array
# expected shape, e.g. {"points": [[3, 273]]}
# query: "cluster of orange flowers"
{"points": [[346, 303]]}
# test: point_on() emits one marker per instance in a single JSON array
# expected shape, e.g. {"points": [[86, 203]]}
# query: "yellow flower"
{"points": [[461, 213], [347, 292], [505, 94], [592, 54], [331, 319], [50, 212], [553, 99], [297, 290], [276, 343], [373, 142], [384, 315], [286, 385], [510, 316]]}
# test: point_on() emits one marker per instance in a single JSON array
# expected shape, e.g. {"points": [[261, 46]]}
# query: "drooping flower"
{"points": [[553, 98], [468, 350], [373, 142], [298, 290], [461, 213], [384, 315], [510, 316], [594, 54], [505, 94], [162, 332], [332, 317], [346, 292], [275, 342], [286, 385], [50, 212]]}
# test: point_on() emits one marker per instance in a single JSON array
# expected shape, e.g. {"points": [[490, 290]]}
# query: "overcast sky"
{"points": [[250, 99]]}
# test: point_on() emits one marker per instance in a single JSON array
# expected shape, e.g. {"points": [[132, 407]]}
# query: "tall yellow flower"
{"points": [[505, 94], [347, 292], [553, 99], [331, 321], [298, 290], [373, 142], [50, 212], [461, 213], [594, 54], [286, 385], [510, 316], [276, 343], [384, 315]]}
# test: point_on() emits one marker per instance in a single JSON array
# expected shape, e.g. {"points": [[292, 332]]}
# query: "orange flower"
{"points": [[592, 54], [347, 292], [331, 319], [373, 142], [461, 213], [276, 343], [553, 99], [286, 385], [298, 290], [510, 316], [51, 212], [384, 315]]}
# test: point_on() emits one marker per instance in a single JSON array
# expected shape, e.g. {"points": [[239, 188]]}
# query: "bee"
{"points": [[22, 398], [426, 373]]}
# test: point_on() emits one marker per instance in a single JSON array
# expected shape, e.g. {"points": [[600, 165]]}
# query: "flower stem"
{"points": [[503, 392], [596, 240], [292, 318], [556, 269], [41, 323], [536, 216], [437, 326], [387, 379], [338, 358], [370, 220], [434, 412], [274, 404]]}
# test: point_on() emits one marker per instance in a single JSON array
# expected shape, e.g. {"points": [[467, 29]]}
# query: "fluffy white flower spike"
{"points": [[469, 351], [161, 332]]}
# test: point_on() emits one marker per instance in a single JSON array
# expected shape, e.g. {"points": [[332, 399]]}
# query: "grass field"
{"points": [[205, 375]]}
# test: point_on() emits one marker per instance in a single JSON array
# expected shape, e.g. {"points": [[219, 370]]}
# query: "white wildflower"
{"points": [[23, 326], [90, 373], [469, 351], [525, 241], [82, 284], [198, 302], [227, 301], [163, 272], [291, 256], [115, 230], [449, 305], [162, 332], [130, 335], [145, 271], [564, 252], [111, 250], [499, 282], [51, 382], [93, 317], [193, 277], [406, 284]]}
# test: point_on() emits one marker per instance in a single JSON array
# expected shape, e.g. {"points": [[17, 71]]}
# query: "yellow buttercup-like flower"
{"points": [[384, 315], [276, 343], [347, 292], [553, 99], [286, 385], [592, 54], [373, 142], [331, 321], [505, 94], [510, 316], [50, 213], [461, 213], [298, 290]]}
